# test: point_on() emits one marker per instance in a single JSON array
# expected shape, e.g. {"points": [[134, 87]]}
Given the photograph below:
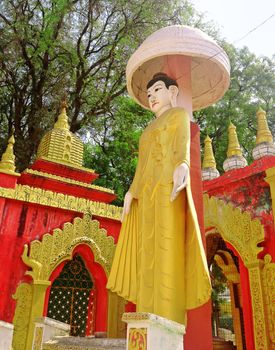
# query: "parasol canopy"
{"points": [[210, 67]]}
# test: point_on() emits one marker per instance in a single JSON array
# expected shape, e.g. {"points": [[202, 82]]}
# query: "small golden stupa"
{"points": [[264, 141], [209, 170], [60, 145], [7, 163], [235, 159]]}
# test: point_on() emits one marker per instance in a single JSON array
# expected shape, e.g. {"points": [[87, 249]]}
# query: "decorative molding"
{"points": [[236, 227], [259, 319], [59, 200], [69, 181], [268, 277], [23, 297], [46, 255]]}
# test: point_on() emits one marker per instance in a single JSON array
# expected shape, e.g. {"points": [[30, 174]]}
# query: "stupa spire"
{"points": [[264, 141], [263, 132], [235, 157], [62, 120], [234, 148], [7, 163], [209, 170]]}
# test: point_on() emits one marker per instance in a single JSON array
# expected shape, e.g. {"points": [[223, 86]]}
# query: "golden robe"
{"points": [[159, 263]]}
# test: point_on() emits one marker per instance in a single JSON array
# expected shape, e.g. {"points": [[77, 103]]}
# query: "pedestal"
{"points": [[6, 333], [47, 328], [150, 332]]}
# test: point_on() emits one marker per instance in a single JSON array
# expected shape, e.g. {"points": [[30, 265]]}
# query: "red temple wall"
{"points": [[21, 223]]}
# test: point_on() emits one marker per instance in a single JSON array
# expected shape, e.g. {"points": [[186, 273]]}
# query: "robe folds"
{"points": [[160, 263]]}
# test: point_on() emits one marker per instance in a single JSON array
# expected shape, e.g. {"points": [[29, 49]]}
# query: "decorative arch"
{"points": [[235, 227], [244, 234], [45, 256]]}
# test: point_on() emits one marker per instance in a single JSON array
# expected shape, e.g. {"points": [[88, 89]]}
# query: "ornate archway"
{"points": [[43, 257], [244, 234]]}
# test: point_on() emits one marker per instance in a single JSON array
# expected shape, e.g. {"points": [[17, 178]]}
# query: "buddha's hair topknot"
{"points": [[162, 77]]}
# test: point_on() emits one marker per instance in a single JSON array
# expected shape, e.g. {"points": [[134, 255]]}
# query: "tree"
{"points": [[252, 86], [77, 47]]}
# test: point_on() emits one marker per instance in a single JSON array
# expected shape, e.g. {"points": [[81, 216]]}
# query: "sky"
{"points": [[235, 18]]}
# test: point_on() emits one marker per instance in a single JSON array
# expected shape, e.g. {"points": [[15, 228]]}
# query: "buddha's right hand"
{"points": [[127, 205]]}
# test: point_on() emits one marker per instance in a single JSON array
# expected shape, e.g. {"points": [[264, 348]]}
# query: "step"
{"points": [[84, 343]]}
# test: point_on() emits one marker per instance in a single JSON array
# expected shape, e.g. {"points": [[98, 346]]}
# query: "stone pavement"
{"points": [[87, 343]]}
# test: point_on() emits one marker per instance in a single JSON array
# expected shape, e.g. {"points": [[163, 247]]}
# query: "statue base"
{"points": [[150, 332]]}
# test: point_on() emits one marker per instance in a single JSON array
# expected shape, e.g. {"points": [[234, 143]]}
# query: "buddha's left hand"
{"points": [[180, 178]]}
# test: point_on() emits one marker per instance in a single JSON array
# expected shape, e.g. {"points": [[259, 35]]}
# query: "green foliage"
{"points": [[252, 86], [75, 47], [218, 284]]}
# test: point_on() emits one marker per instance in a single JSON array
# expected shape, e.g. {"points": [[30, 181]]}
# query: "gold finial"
{"points": [[7, 163], [62, 121], [208, 159], [263, 132], [234, 148]]}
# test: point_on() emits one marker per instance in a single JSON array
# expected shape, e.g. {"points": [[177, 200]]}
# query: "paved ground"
{"points": [[79, 343]]}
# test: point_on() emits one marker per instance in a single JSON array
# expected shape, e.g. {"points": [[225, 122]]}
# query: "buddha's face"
{"points": [[158, 97]]}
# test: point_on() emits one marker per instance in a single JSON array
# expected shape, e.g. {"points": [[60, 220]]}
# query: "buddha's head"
{"points": [[162, 93]]}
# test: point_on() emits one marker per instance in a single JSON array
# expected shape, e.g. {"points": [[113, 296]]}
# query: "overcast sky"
{"points": [[237, 17]]}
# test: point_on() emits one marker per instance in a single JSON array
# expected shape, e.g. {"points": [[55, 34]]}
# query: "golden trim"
{"points": [[59, 200], [69, 181]]}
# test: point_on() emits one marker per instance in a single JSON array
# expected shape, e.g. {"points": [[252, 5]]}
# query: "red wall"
{"points": [[22, 223]]}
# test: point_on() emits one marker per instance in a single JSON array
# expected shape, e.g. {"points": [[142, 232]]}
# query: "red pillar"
{"points": [[199, 331]]}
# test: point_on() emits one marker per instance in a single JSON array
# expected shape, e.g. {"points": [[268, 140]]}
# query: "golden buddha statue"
{"points": [[160, 264]]}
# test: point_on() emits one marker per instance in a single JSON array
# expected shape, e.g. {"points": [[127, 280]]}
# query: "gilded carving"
{"points": [[137, 339], [66, 180], [244, 234], [54, 248], [260, 338], [59, 200], [268, 277], [38, 337], [229, 269], [23, 297], [236, 227]]}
